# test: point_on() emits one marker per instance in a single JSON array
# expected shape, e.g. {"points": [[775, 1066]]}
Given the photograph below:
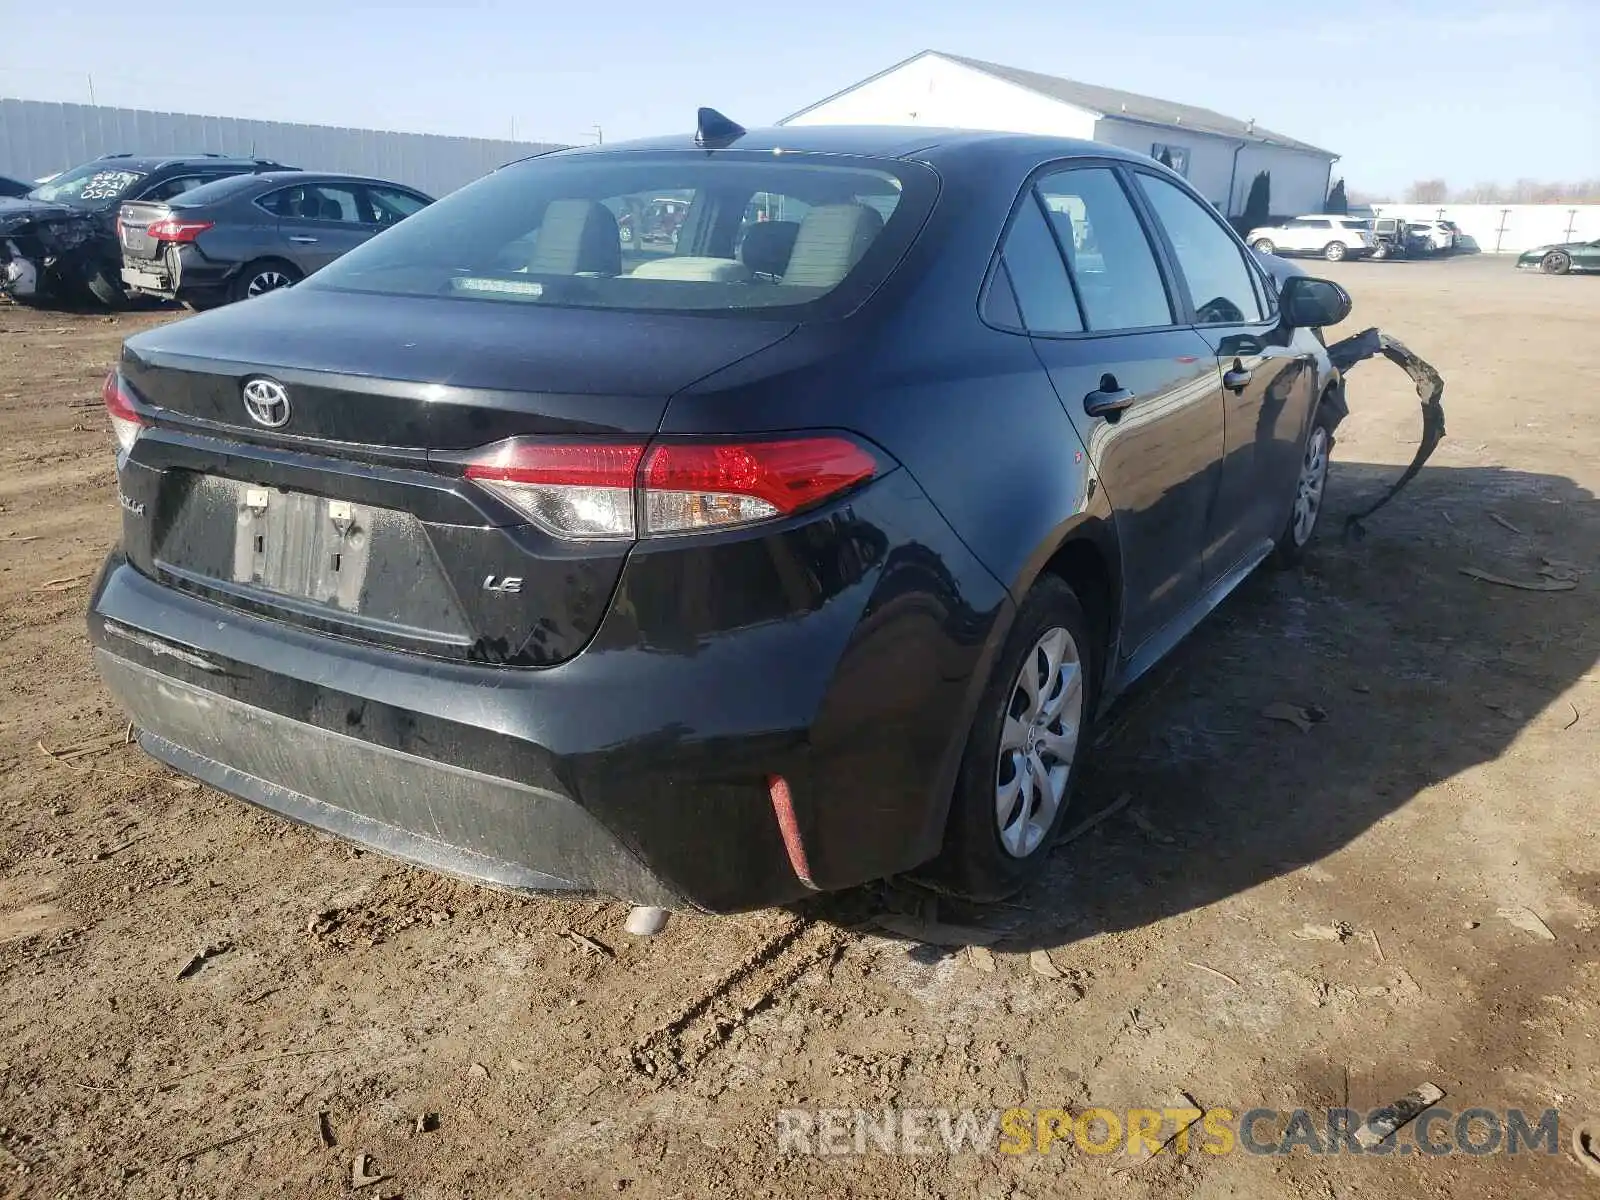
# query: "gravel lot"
{"points": [[1452, 783]]}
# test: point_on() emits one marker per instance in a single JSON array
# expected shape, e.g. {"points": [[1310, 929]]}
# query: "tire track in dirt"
{"points": [[675, 1049]]}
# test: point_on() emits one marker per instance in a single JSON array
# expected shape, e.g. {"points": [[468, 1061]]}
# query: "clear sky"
{"points": [[1470, 90]]}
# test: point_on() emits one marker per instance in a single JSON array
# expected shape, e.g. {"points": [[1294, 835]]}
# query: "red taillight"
{"points": [[572, 491], [125, 421], [592, 490], [175, 229], [698, 485]]}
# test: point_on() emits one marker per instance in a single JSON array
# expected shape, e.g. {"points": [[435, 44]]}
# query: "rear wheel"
{"points": [[1023, 751], [1555, 263], [263, 276], [1309, 492], [1264, 245], [1335, 251], [1381, 250]]}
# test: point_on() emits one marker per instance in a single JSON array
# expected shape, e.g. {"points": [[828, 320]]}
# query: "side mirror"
{"points": [[1313, 303]]}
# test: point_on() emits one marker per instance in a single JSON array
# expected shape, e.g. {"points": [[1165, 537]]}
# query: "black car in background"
{"points": [[794, 552], [59, 241], [13, 187], [249, 235]]}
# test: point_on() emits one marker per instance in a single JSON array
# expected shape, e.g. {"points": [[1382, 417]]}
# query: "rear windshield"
{"points": [[92, 185], [210, 193], [655, 231]]}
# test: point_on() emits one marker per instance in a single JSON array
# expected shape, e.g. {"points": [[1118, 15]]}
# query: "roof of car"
{"points": [[153, 162], [289, 176], [878, 141]]}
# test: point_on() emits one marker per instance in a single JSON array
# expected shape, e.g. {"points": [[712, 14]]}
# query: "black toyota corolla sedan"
{"points": [[795, 551]]}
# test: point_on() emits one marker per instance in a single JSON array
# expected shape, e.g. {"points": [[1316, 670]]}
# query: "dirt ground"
{"points": [[1452, 783]]}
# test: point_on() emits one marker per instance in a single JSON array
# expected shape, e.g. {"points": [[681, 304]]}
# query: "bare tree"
{"points": [[1523, 191]]}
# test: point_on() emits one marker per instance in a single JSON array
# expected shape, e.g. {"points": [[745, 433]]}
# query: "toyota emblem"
{"points": [[267, 403]]}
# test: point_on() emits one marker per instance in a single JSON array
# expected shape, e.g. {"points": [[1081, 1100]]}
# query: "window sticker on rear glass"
{"points": [[108, 185]]}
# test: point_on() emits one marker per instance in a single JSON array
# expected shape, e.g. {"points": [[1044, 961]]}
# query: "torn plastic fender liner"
{"points": [[1430, 390]]}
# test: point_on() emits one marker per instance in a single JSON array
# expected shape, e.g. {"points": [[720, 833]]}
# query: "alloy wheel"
{"points": [[1334, 251], [1308, 492], [1038, 742], [267, 281]]}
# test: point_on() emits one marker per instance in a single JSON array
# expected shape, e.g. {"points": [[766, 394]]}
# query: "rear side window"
{"points": [[652, 232], [1109, 255], [1043, 291], [314, 202], [1220, 283]]}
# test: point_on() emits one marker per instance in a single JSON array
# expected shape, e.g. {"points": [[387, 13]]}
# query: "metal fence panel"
{"points": [[40, 137]]}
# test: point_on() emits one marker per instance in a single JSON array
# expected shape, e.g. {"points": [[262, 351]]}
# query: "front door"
{"points": [[1267, 389], [1141, 389]]}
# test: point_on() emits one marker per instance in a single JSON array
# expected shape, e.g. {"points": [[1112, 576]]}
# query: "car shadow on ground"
{"points": [[1412, 670]]}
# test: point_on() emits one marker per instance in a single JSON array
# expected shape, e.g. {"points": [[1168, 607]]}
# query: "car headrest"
{"points": [[767, 246], [832, 239], [577, 236]]}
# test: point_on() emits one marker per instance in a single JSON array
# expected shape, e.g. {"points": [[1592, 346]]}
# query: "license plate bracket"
{"points": [[302, 545]]}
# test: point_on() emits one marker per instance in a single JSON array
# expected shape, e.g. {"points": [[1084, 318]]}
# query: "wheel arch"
{"points": [[1085, 555]]}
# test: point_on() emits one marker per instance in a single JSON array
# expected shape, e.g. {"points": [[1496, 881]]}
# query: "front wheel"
{"points": [[1023, 752], [1555, 263], [103, 285], [1264, 245], [1335, 251], [1309, 492], [1381, 250]]}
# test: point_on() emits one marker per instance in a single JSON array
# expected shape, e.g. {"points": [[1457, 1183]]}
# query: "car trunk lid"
{"points": [[353, 513], [133, 226]]}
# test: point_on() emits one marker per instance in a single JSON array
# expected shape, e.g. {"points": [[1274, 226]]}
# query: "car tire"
{"points": [[1557, 262], [989, 855], [1380, 251], [1335, 251], [104, 287], [262, 276], [1265, 246], [1310, 492]]}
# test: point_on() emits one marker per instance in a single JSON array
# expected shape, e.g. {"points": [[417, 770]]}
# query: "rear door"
{"points": [[1141, 388], [1267, 386], [317, 222]]}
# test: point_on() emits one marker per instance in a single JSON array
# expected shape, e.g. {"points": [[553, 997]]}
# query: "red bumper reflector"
{"points": [[789, 827]]}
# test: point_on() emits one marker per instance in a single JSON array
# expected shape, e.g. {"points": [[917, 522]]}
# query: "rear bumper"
{"points": [[639, 768], [187, 274], [449, 819]]}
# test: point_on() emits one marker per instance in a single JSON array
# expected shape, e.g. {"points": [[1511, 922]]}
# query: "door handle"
{"points": [[301, 238], [1237, 378], [1109, 400]]}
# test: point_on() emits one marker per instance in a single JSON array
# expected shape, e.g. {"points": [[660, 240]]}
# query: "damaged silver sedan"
{"points": [[59, 242]]}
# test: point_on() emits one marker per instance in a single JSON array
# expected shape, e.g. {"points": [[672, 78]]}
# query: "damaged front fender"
{"points": [[1369, 343]]}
